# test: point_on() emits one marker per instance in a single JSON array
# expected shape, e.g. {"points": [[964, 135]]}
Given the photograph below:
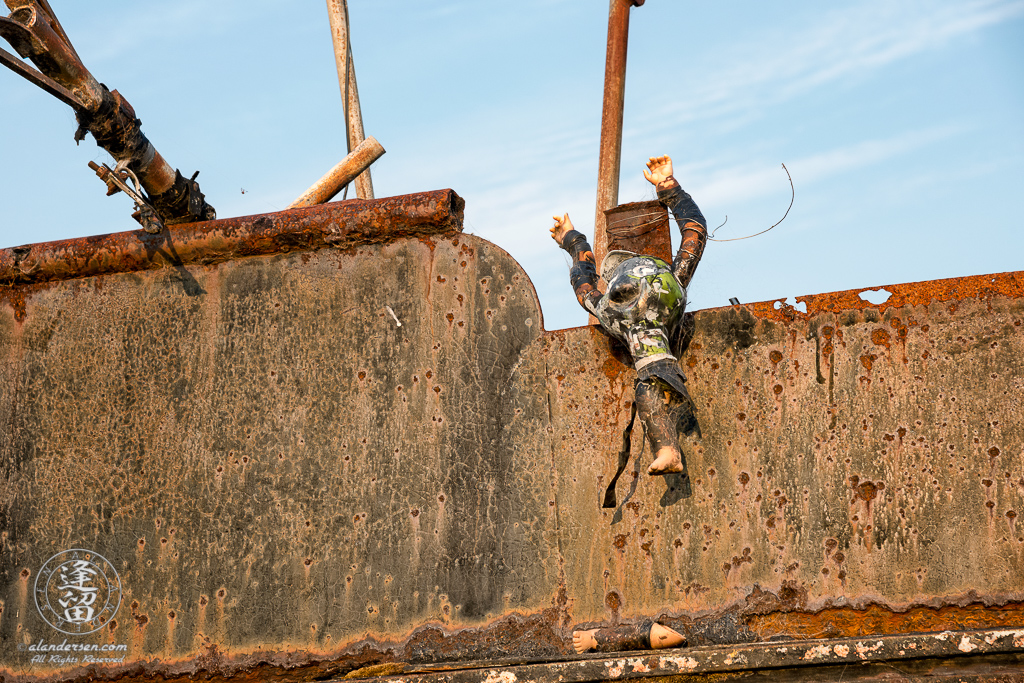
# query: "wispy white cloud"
{"points": [[127, 33], [846, 44], [733, 184]]}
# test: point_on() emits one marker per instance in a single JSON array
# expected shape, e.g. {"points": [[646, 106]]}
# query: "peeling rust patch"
{"points": [[902, 295], [845, 622]]}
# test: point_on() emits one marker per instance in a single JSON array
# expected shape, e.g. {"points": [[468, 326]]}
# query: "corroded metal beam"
{"points": [[341, 224], [900, 295], [787, 659], [35, 34]]}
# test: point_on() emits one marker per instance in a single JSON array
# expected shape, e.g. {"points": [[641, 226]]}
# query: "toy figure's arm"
{"points": [[693, 228], [583, 274]]}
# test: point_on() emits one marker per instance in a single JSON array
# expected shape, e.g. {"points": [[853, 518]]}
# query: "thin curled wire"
{"points": [[640, 215], [791, 200], [711, 237], [616, 229]]}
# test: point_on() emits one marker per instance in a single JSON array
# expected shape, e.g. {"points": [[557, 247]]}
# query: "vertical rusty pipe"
{"points": [[337, 12], [356, 135], [611, 119]]}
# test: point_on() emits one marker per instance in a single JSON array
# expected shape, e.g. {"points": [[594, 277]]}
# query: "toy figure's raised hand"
{"points": [[561, 228], [661, 169]]}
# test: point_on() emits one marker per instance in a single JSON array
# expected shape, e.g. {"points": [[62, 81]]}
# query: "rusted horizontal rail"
{"points": [[341, 225], [906, 294], [738, 658]]}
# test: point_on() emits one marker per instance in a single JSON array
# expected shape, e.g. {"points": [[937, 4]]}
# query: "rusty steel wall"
{"points": [[860, 470], [290, 484]]}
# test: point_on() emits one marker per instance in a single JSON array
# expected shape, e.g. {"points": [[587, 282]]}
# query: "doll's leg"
{"points": [[652, 401], [644, 636], [663, 637], [614, 638]]}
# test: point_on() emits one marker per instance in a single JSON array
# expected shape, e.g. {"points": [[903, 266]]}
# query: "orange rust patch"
{"points": [[874, 620], [881, 338], [866, 490], [15, 298], [908, 294]]}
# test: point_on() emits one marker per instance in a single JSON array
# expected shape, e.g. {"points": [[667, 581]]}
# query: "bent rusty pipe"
{"points": [[36, 35], [348, 169]]}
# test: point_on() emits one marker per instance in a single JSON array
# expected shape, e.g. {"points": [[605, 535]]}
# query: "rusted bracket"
{"points": [[117, 181], [36, 34]]}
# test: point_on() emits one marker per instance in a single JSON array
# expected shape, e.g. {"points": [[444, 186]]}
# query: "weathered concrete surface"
{"points": [[290, 484]]}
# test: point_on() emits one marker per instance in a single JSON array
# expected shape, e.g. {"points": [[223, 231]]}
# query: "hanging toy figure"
{"points": [[643, 307]]}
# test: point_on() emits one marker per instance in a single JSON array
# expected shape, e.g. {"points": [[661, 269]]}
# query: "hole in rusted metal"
{"points": [[790, 303], [875, 296]]}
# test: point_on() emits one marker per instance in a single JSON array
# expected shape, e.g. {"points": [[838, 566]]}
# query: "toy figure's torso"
{"points": [[643, 302]]}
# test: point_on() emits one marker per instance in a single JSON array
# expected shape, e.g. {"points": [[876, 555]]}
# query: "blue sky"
{"points": [[902, 124]]}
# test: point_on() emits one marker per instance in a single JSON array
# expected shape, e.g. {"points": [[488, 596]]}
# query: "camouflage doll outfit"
{"points": [[642, 308]]}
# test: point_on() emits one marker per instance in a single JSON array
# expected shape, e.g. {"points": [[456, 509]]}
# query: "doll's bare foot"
{"points": [[663, 636], [584, 640], [668, 460]]}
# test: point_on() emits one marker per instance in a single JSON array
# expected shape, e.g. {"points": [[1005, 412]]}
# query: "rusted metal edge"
{"points": [[423, 652], [1009, 284], [340, 224], [637, 665]]}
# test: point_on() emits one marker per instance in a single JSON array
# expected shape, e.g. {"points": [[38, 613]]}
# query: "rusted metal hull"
{"points": [[291, 485]]}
